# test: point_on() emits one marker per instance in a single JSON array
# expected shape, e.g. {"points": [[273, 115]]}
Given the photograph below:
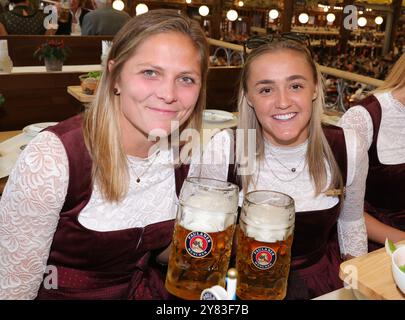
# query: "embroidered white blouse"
{"points": [[37, 186], [272, 175], [391, 136], [35, 193]]}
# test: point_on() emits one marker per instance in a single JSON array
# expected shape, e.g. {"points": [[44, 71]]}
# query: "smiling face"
{"points": [[281, 88], [159, 84]]}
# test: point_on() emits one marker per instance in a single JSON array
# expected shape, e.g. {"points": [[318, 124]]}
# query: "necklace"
{"points": [[293, 169], [138, 176], [290, 170]]}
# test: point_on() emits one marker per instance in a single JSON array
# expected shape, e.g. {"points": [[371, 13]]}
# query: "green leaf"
{"points": [[402, 268], [391, 245]]}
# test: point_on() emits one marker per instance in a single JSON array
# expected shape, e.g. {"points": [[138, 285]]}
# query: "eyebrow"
{"points": [[290, 78]]}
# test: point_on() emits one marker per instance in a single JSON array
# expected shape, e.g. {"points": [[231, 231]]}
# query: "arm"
{"points": [[378, 231], [29, 214], [359, 119], [3, 31], [352, 231]]}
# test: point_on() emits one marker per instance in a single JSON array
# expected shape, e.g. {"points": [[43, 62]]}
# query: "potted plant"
{"points": [[54, 53], [89, 81]]}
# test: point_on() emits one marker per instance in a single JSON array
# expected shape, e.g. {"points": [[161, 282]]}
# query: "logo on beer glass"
{"points": [[264, 258], [198, 244]]}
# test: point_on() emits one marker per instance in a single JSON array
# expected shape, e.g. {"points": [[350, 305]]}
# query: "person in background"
{"points": [[380, 121], [94, 197], [104, 20], [23, 19], [323, 168], [75, 20]]}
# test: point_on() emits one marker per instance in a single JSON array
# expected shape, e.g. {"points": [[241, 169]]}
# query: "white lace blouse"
{"points": [[35, 194], [275, 174], [391, 137]]}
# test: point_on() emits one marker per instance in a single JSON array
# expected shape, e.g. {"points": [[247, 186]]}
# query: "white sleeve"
{"points": [[215, 157], [359, 119], [29, 213], [352, 231]]}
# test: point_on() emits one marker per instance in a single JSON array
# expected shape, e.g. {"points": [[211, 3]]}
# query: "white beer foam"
{"points": [[268, 224], [208, 212], [206, 221]]}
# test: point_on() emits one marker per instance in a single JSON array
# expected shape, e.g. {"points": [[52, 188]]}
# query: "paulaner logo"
{"points": [[264, 258], [198, 244]]}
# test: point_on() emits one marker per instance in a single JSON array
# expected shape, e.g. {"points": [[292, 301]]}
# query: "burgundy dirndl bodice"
{"points": [[102, 265], [315, 253], [385, 186]]}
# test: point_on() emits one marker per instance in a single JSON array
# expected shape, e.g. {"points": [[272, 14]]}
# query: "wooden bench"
{"points": [[36, 97], [84, 49]]}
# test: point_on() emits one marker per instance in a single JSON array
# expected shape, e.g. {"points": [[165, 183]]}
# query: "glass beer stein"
{"points": [[265, 236], [202, 239]]}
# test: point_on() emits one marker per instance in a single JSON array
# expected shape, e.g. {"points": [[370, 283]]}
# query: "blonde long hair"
{"points": [[395, 78], [101, 127], [318, 146]]}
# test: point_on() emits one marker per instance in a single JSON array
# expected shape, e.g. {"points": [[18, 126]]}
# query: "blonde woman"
{"points": [[281, 97], [380, 120], [91, 202]]}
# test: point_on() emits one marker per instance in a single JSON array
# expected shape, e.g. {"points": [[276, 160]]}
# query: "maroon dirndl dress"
{"points": [[102, 265], [315, 254], [385, 186]]}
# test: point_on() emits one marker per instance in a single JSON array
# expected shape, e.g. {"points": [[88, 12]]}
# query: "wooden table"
{"points": [[372, 276], [76, 92], [4, 135]]}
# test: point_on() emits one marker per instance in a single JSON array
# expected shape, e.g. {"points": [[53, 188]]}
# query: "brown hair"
{"points": [[102, 131]]}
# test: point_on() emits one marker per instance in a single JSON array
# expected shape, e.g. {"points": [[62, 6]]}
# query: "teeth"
{"points": [[284, 116]]}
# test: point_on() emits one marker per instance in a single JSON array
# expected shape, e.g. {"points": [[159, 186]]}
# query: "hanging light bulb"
{"points": [[141, 9], [203, 11], [362, 22], [303, 18], [379, 20], [232, 15], [241, 3], [330, 17], [273, 14], [188, 1], [118, 5]]}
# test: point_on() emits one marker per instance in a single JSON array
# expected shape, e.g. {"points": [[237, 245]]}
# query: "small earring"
{"points": [[115, 90]]}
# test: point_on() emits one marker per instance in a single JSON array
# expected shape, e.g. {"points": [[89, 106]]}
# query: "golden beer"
{"points": [[263, 268], [198, 260], [202, 238], [265, 236]]}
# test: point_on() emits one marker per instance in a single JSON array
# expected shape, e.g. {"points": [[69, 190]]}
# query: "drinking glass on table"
{"points": [[202, 239], [264, 238]]}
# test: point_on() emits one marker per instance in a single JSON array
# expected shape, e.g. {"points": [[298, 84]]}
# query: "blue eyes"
{"points": [[187, 80], [151, 74]]}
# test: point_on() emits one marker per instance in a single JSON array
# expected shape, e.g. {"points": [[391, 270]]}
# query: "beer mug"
{"points": [[265, 236], [202, 239]]}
